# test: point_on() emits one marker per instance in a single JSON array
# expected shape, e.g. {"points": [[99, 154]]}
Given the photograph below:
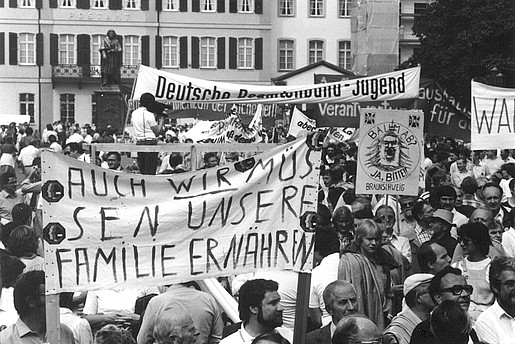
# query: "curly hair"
{"points": [[23, 241]]}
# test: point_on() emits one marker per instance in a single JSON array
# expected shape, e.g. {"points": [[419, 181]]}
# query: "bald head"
{"points": [[174, 327], [483, 215], [355, 329]]}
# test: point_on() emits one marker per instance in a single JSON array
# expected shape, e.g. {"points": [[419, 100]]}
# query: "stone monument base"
{"points": [[110, 108]]}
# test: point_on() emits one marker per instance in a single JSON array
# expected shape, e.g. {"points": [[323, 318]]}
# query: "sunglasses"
{"points": [[458, 289]]}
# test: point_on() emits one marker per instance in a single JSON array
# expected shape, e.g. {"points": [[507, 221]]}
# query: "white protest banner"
{"points": [[300, 122], [492, 117], [229, 130], [343, 134], [105, 228], [167, 86], [390, 151]]}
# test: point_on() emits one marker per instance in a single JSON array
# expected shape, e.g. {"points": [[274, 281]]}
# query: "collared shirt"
{"points": [[79, 326], [332, 328], [495, 326], [243, 337], [19, 333], [470, 200], [403, 324], [402, 245], [8, 314], [7, 202]]}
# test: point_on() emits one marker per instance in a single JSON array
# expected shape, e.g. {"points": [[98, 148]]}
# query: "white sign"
{"points": [[300, 123], [492, 117], [171, 87], [390, 151], [105, 228]]}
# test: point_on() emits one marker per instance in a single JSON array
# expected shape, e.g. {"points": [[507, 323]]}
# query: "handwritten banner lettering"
{"points": [[105, 228]]}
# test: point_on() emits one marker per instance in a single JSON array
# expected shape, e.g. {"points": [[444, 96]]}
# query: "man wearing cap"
{"points": [[448, 284], [419, 305], [146, 129], [440, 224], [446, 199]]}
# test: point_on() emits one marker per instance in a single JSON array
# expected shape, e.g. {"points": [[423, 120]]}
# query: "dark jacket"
{"points": [[320, 336]]}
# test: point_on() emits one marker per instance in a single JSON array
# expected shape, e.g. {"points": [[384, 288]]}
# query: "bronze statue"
{"points": [[110, 52]]}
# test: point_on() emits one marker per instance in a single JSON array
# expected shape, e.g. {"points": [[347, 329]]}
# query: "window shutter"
{"points": [[159, 5], [159, 52], [258, 6], [183, 47], [233, 52], [54, 49], [195, 6], [83, 4], [145, 50], [258, 53], [83, 54], [233, 6], [115, 4], [221, 53], [2, 48], [53, 4], [195, 52], [13, 48], [220, 6], [39, 49], [13, 3], [39, 4], [144, 5], [183, 6]]}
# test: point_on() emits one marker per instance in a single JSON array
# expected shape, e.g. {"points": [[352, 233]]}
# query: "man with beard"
{"points": [[260, 311], [495, 325], [180, 298], [448, 284], [440, 224]]}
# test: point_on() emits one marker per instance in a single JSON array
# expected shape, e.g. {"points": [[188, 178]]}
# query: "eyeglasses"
{"points": [[385, 218], [509, 284], [458, 289], [407, 205]]}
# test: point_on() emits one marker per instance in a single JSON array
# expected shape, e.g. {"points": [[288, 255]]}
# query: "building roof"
{"points": [[281, 80]]}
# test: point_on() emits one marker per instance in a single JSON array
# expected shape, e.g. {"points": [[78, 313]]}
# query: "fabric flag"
{"points": [[300, 123]]}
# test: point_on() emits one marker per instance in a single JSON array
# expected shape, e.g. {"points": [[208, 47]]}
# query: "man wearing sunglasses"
{"points": [[448, 284], [496, 324]]}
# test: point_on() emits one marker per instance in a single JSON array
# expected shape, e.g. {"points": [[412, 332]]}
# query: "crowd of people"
{"points": [[438, 267]]}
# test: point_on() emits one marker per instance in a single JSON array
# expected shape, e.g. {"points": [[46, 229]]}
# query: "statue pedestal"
{"points": [[111, 108]]}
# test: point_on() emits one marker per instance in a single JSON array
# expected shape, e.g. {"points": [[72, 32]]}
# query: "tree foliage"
{"points": [[464, 39]]}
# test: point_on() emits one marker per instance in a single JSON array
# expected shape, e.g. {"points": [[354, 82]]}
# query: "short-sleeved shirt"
{"points": [[142, 122], [19, 333]]}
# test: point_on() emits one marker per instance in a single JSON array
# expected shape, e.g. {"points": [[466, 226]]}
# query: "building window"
{"points": [[171, 5], [419, 10], [131, 50], [344, 8], [316, 8], [27, 3], [27, 49], [27, 105], [286, 8], [286, 55], [245, 53], [170, 52], [344, 55], [245, 6], [67, 3], [131, 4], [316, 51], [100, 4], [207, 6], [208, 52], [93, 108], [96, 43], [67, 49], [67, 101]]}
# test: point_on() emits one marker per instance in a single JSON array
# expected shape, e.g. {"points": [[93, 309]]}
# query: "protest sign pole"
{"points": [[53, 322], [301, 308]]}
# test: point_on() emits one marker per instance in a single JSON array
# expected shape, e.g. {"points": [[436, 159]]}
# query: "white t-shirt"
{"points": [[142, 122]]}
